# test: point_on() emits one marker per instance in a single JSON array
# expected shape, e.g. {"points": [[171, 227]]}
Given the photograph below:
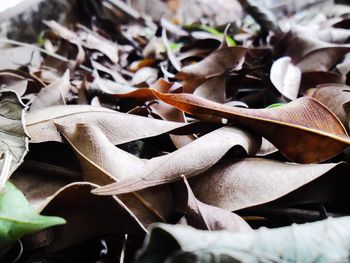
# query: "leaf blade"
{"points": [[311, 133]]}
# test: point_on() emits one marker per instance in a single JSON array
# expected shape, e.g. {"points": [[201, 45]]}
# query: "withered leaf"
{"points": [[13, 58], [189, 161], [303, 130], [217, 63], [103, 163], [14, 82], [119, 127], [86, 39], [286, 77], [310, 54], [334, 96], [13, 138], [212, 89], [87, 216], [17, 218], [236, 184], [54, 94], [39, 185], [206, 217], [286, 244], [312, 79]]}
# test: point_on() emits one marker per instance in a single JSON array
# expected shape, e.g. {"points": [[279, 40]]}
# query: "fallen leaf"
{"points": [[237, 184], [145, 75], [303, 130], [205, 152], [334, 96], [14, 82], [54, 94], [13, 137], [39, 185], [266, 148], [13, 58], [87, 216], [169, 113], [18, 219], [120, 90], [217, 63], [324, 33], [286, 77], [322, 59], [119, 127], [312, 79], [206, 217], [310, 54], [344, 66], [86, 39], [167, 243], [98, 158], [10, 77], [213, 89]]}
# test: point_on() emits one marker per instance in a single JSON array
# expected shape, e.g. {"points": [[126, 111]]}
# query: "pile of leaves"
{"points": [[186, 117]]}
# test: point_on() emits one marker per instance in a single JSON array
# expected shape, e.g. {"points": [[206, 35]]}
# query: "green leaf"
{"points": [[40, 40], [175, 46], [211, 30], [323, 241], [17, 218], [275, 105], [215, 32]]}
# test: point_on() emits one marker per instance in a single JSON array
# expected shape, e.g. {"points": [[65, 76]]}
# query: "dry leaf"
{"points": [[13, 137], [237, 184], [86, 39], [13, 58], [103, 163], [310, 54], [54, 94], [217, 63], [14, 82], [334, 96], [213, 89], [206, 217], [325, 241], [39, 185], [189, 161], [119, 127], [303, 130], [312, 79], [87, 216], [286, 77]]}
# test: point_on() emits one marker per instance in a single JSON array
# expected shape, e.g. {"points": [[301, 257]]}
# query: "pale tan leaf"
{"points": [[103, 163], [206, 217], [286, 77], [217, 63], [54, 94], [86, 39], [118, 127], [238, 184], [190, 160]]}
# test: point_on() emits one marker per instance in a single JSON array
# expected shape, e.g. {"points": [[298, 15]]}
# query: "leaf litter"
{"points": [[162, 122]]}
